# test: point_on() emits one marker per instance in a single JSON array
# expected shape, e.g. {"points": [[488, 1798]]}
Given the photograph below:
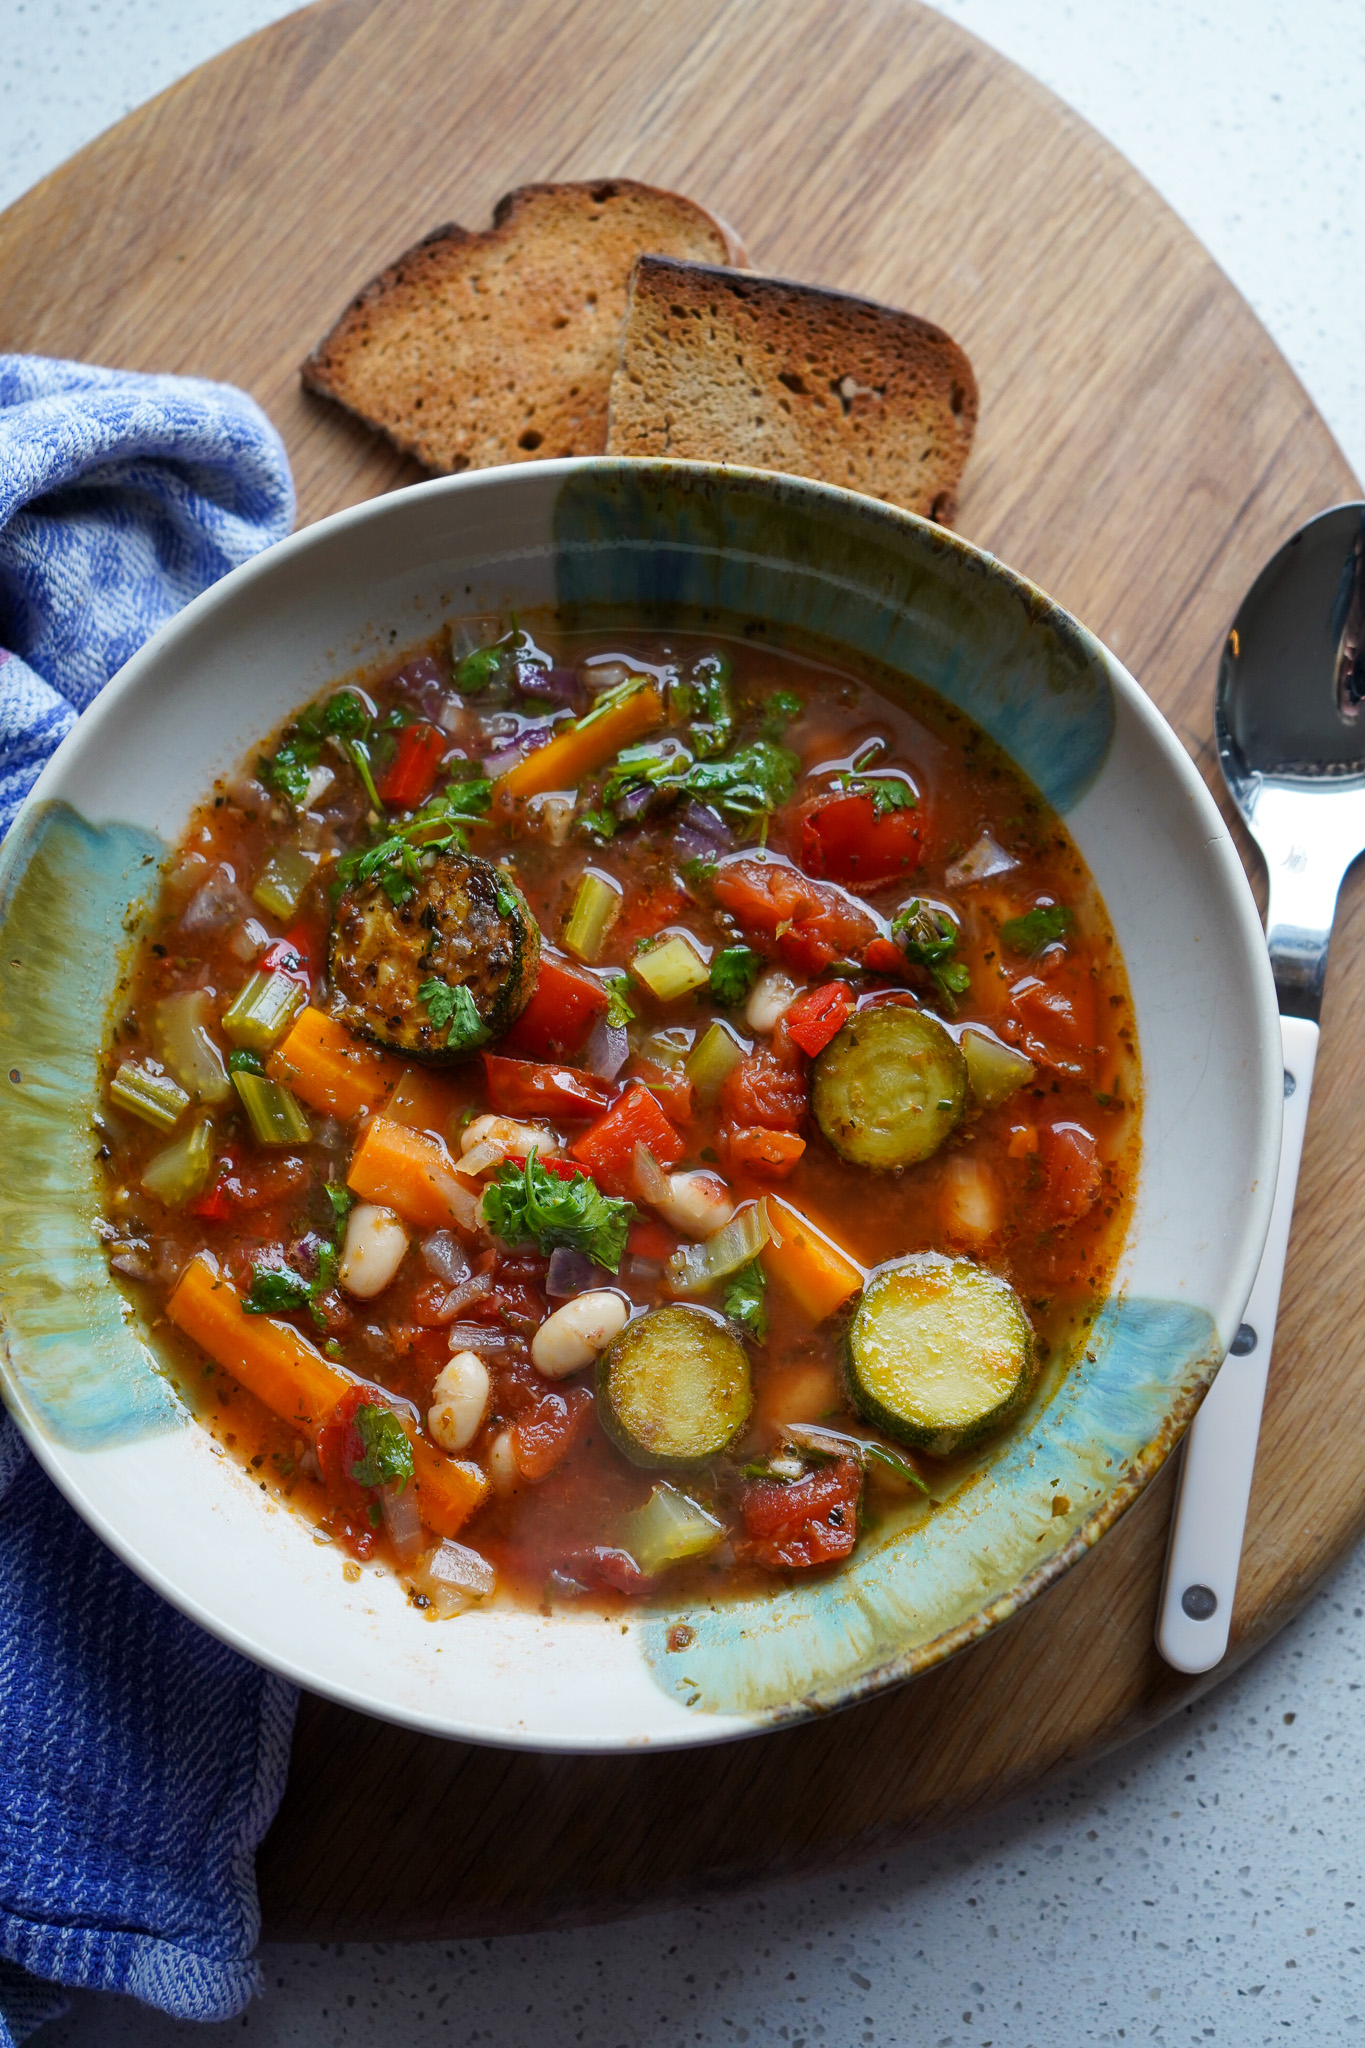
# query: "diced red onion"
{"points": [[444, 1255], [607, 1050], [700, 818], [642, 1275], [554, 685], [571, 1272], [525, 743], [484, 1340], [423, 684], [219, 902], [401, 1519], [475, 1288]]}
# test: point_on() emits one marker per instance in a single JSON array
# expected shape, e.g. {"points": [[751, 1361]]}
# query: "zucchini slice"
{"points": [[674, 1389], [939, 1352], [464, 934], [890, 1088]]}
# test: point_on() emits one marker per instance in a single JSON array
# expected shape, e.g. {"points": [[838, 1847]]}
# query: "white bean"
{"points": [[771, 996], [572, 1337], [698, 1203], [376, 1245], [507, 1137], [459, 1400], [502, 1463]]}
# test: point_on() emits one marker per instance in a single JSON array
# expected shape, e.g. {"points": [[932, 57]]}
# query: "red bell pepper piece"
{"points": [[607, 1148], [884, 956], [562, 1169], [411, 775], [669, 1085], [818, 1016], [522, 1088], [289, 957], [558, 1020], [812, 1521], [845, 841]]}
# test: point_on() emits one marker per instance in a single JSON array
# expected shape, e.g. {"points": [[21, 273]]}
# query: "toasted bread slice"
{"points": [[724, 366], [474, 349]]}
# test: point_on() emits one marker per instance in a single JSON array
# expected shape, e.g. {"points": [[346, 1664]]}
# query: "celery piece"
{"points": [[715, 1056], [282, 881], [994, 1070], [594, 912], [176, 1175], [275, 1116], [694, 1268], [261, 1013], [187, 1046], [668, 1529], [157, 1098], [671, 970]]}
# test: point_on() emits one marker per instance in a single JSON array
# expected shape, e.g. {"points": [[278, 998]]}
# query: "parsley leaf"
{"points": [[388, 1454], [455, 1007], [704, 698], [930, 940], [619, 1011], [287, 771], [744, 1300], [1039, 927], [888, 793], [479, 669], [342, 1201], [734, 970], [529, 1205], [748, 783], [394, 861], [779, 711], [277, 1290]]}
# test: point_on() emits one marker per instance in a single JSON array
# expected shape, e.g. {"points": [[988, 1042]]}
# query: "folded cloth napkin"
{"points": [[140, 1760]]}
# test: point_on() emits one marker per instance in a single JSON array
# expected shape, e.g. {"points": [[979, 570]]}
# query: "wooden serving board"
{"points": [[1142, 449]]}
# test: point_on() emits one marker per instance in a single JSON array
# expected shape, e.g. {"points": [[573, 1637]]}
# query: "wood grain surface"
{"points": [[1142, 449]]}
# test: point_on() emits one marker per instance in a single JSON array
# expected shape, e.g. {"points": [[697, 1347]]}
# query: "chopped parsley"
{"points": [[388, 1454], [277, 1290], [479, 669], [530, 1205], [744, 1300], [888, 793], [704, 700], [454, 1007], [343, 716], [779, 711], [241, 1060], [747, 783], [734, 970], [1040, 927], [395, 860], [619, 1011], [930, 941]]}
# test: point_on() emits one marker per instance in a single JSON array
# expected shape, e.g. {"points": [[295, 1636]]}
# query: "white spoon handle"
{"points": [[1220, 1450]]}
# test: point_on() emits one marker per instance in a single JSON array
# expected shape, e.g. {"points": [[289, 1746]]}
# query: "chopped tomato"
{"points": [[669, 1085], [429, 1301], [562, 1169], [768, 1087], [1072, 1169], [512, 1305], [612, 1571], [1055, 1013], [607, 1148], [646, 912], [544, 1434], [845, 840], [812, 922], [818, 1016], [812, 1521], [650, 1240], [762, 1154], [560, 1016], [256, 1186], [288, 958], [411, 775], [521, 1088], [884, 956]]}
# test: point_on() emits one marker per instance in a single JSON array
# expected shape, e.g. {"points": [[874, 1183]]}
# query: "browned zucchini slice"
{"points": [[890, 1088], [674, 1389], [939, 1352]]}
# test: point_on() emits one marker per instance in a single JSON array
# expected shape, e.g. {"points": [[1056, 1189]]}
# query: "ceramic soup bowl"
{"points": [[81, 1369]]}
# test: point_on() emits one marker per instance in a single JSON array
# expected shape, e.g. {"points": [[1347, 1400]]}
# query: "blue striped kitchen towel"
{"points": [[140, 1760]]}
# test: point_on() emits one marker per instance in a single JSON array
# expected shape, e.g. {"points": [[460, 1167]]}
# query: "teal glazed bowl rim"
{"points": [[609, 540]]}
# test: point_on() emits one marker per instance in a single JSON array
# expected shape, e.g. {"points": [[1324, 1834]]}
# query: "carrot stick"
{"points": [[586, 745], [818, 1275], [287, 1375], [330, 1069], [412, 1173], [268, 1356]]}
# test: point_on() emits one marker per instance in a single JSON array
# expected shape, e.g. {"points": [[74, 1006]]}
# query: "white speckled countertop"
{"points": [[1207, 1884]]}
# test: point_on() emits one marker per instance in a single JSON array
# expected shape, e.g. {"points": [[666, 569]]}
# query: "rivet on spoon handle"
{"points": [[1220, 1450]]}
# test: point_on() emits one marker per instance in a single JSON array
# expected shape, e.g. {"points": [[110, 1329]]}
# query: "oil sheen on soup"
{"points": [[619, 1116]]}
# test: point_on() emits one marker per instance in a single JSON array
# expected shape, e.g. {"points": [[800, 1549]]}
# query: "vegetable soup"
{"points": [[608, 1116]]}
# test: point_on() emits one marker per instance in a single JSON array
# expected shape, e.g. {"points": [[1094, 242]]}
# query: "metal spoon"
{"points": [[1289, 717]]}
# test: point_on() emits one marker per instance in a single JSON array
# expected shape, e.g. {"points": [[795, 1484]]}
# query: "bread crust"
{"points": [[498, 345], [721, 365]]}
